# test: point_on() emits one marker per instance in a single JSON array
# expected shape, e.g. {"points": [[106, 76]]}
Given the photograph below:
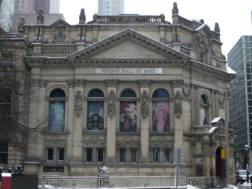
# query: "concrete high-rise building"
{"points": [[24, 6], [6, 14], [240, 60], [110, 7], [42, 4], [33, 6], [54, 6]]}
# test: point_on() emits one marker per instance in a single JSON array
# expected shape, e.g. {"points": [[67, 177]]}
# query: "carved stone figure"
{"points": [[78, 103], [144, 104], [217, 27], [82, 17], [175, 8], [178, 104], [21, 24], [221, 99], [40, 17], [111, 103], [186, 90]]}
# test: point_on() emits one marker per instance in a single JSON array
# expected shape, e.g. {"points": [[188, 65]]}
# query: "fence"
{"points": [[120, 181]]}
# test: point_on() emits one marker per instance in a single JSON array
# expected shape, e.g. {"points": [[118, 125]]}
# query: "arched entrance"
{"points": [[220, 162]]}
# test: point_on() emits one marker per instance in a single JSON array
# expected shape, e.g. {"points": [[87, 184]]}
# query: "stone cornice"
{"points": [[187, 64], [212, 70]]}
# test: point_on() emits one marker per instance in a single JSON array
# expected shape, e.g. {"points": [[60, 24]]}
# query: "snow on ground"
{"points": [[245, 185], [191, 187]]}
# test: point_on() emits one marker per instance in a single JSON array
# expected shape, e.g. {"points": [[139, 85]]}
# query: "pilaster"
{"points": [[144, 123], [178, 107], [76, 91], [111, 121]]}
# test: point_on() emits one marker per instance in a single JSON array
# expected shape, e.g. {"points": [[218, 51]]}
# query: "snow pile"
{"points": [[192, 187], [46, 187]]}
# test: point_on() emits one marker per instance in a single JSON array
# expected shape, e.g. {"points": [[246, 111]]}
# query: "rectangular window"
{"points": [[89, 154], [155, 154], [56, 116], [122, 154], [133, 154], [61, 154], [168, 154], [49, 153], [100, 154], [3, 153]]}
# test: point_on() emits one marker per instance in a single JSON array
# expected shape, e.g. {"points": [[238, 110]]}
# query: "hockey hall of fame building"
{"points": [[129, 90]]}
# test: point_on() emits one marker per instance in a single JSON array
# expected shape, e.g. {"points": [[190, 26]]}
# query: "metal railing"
{"points": [[119, 181]]}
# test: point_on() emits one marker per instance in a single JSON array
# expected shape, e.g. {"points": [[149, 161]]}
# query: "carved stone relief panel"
{"points": [[78, 103]]}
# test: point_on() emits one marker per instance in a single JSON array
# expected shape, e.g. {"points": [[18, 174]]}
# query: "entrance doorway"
{"points": [[220, 162]]}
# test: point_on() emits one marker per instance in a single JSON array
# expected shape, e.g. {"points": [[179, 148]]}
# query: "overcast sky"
{"points": [[233, 16]]}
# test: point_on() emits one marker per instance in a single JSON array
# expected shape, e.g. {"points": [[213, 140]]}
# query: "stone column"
{"points": [[76, 112], [111, 122], [144, 123]]}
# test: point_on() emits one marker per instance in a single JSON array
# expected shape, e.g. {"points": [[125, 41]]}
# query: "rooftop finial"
{"points": [[217, 27], [82, 17], [175, 8]]}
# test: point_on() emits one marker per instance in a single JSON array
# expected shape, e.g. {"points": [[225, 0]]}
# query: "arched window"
{"points": [[128, 111], [95, 110], [160, 111], [204, 110], [57, 111]]}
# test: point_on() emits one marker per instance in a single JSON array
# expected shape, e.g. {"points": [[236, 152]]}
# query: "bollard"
{"points": [[6, 181]]}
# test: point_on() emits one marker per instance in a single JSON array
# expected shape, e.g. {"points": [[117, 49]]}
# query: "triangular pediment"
{"points": [[128, 49], [128, 44], [59, 23]]}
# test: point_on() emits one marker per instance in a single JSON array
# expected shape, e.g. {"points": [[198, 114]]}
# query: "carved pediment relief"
{"points": [[60, 23], [129, 44], [128, 50]]}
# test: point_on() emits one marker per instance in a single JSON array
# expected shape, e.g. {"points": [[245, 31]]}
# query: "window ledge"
{"points": [[85, 132], [127, 133], [46, 132], [162, 133]]}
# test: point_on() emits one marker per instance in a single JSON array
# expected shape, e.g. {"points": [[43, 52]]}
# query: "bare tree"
{"points": [[13, 131]]}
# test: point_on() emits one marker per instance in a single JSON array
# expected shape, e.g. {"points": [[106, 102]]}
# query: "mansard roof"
{"points": [[126, 35]]}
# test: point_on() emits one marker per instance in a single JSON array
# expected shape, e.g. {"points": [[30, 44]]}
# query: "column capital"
{"points": [[111, 83], [76, 83], [144, 83]]}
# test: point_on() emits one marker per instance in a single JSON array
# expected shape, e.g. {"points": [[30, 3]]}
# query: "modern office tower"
{"points": [[110, 7], [24, 6], [240, 60], [54, 6], [42, 4], [6, 14]]}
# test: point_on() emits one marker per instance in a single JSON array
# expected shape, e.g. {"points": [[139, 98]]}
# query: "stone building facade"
{"points": [[130, 90]]}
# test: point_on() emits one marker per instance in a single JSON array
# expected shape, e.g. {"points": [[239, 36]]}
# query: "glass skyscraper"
{"points": [[110, 7], [240, 60], [6, 14]]}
